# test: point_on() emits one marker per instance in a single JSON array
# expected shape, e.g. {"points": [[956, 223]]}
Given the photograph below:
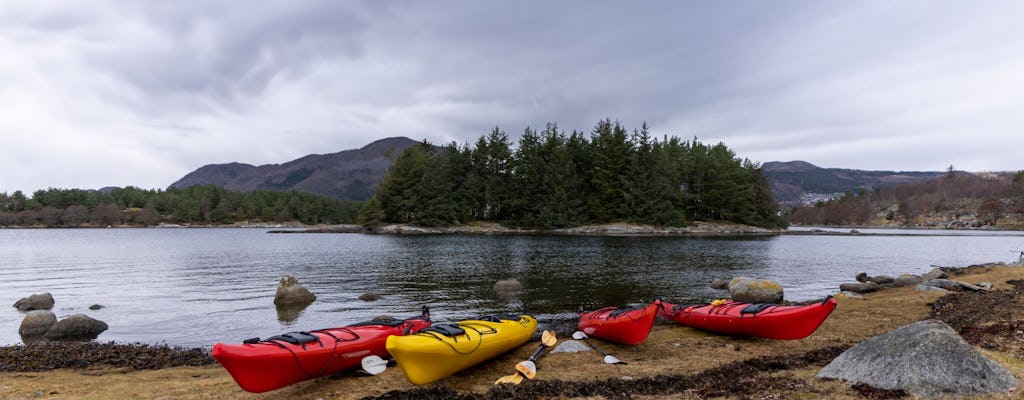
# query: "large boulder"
{"points": [[860, 287], [942, 284], [76, 327], [907, 280], [36, 324], [291, 293], [925, 359], [749, 290], [40, 301], [935, 273]]}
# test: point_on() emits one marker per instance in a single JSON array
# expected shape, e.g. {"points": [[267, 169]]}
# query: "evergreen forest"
{"points": [[207, 205], [554, 179]]}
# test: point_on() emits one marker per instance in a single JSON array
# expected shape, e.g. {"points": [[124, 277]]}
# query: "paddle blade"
{"points": [[374, 365], [548, 338], [579, 335], [610, 359], [527, 369], [514, 379]]}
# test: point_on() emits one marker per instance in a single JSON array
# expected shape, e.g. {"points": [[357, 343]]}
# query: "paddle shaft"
{"points": [[536, 353], [587, 340]]}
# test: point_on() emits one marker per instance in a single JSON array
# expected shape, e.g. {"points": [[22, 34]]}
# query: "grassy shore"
{"points": [[675, 362]]}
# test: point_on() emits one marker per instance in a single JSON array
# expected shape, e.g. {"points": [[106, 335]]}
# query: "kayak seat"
{"points": [[296, 338], [619, 311], [445, 329], [498, 318], [755, 308]]}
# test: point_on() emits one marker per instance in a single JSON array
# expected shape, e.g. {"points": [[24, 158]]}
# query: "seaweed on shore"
{"points": [[56, 355], [742, 379]]}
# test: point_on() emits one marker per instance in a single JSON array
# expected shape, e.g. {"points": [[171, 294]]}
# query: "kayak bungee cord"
{"points": [[480, 336], [315, 374]]}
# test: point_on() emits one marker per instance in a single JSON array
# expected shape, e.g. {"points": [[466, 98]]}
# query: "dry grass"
{"points": [[670, 351]]}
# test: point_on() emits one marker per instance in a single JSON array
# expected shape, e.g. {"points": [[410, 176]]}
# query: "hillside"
{"points": [[346, 175], [953, 201], [800, 182]]}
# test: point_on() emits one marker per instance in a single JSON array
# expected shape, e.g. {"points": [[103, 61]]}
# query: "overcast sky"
{"points": [[118, 93]]}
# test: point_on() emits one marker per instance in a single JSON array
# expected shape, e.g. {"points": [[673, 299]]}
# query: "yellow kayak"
{"points": [[444, 349]]}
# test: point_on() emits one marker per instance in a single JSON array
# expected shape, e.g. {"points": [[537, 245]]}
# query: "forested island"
{"points": [[551, 180], [555, 179]]}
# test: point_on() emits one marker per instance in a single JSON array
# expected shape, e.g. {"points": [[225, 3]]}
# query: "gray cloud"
{"points": [[129, 93]]}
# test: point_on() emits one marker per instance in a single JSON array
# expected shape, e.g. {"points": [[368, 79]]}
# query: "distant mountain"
{"points": [[346, 175], [795, 180]]}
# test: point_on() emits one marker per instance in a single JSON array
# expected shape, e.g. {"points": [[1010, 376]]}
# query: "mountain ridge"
{"points": [[346, 175]]}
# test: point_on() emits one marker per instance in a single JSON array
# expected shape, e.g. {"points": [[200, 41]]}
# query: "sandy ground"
{"points": [[674, 363]]}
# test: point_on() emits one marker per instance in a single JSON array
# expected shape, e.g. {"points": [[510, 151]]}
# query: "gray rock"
{"points": [[925, 359], [907, 280], [76, 327], [926, 288], [935, 273], [976, 288], [36, 323], [41, 301], [942, 283], [95, 307], [370, 296], [507, 287], [749, 290], [862, 277], [882, 279], [854, 232], [852, 295], [291, 293], [720, 284], [570, 346], [862, 287]]}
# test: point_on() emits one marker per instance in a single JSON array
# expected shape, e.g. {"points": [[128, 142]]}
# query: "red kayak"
{"points": [[756, 320], [620, 325], [278, 361]]}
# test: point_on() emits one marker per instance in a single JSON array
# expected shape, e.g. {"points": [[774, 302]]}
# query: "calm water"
{"points": [[194, 287]]}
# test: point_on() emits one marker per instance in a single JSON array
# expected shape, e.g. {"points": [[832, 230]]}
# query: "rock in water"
{"points": [[41, 301], [76, 327], [36, 324], [507, 288], [370, 296], [291, 293], [863, 287], [720, 284], [748, 290], [907, 280], [925, 359]]}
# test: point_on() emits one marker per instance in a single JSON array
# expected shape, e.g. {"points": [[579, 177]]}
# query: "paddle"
{"points": [[528, 369], [374, 365], [608, 358]]}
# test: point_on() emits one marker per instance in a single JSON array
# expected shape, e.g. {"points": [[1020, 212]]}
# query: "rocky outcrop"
{"points": [[290, 293], [36, 324], [40, 301], [76, 327], [749, 290], [925, 359], [935, 273]]}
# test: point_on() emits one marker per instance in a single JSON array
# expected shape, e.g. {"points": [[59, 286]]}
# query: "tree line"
{"points": [[988, 197], [554, 179], [207, 204]]}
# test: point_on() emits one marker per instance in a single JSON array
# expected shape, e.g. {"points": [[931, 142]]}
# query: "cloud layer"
{"points": [[129, 93]]}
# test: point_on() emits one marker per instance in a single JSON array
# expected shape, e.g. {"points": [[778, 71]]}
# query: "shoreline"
{"points": [[675, 361]]}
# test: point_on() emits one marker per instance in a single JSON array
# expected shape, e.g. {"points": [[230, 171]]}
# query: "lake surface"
{"points": [[194, 287]]}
